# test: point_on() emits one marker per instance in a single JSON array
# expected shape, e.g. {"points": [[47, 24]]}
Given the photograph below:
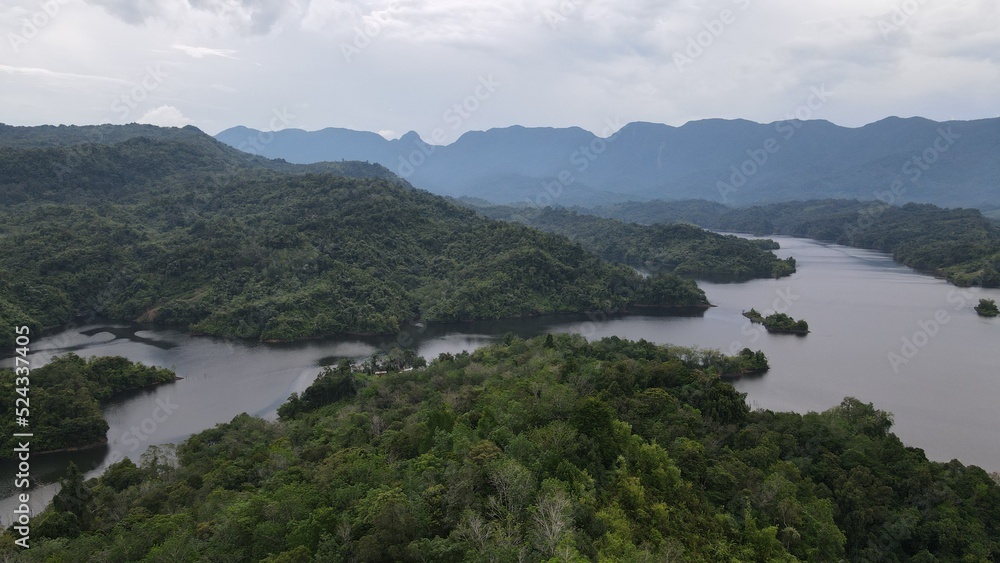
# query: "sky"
{"points": [[452, 66]]}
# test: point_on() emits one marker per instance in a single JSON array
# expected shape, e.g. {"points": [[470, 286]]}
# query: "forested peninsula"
{"points": [[64, 399], [550, 449], [682, 249], [960, 245]]}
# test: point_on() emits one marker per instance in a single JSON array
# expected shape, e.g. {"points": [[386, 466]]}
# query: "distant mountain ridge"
{"points": [[737, 162]]}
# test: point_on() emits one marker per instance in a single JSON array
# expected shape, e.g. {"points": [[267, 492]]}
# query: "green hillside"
{"points": [[682, 249], [64, 399], [958, 244], [190, 231], [552, 449]]}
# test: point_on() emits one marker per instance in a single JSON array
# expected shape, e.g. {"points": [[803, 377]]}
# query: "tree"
{"points": [[74, 496], [987, 308]]}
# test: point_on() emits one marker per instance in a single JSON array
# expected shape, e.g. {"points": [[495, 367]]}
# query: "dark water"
{"points": [[862, 309]]}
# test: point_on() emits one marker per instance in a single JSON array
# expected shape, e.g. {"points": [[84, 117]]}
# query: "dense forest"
{"points": [[698, 211], [66, 396], [187, 231], [551, 449], [682, 249], [960, 245]]}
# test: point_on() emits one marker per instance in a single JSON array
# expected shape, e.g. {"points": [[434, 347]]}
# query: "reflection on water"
{"points": [[861, 308]]}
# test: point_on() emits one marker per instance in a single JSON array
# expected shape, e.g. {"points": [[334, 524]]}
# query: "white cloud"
{"points": [[56, 75], [201, 52], [560, 62], [254, 17], [165, 116], [389, 134]]}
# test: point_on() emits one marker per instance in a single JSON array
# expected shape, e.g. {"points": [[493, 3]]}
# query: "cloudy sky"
{"points": [[457, 65]]}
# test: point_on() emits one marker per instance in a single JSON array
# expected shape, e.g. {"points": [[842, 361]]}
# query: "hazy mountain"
{"points": [[735, 162]]}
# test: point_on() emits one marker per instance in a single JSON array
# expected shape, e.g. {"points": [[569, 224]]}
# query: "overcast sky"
{"points": [[398, 65]]}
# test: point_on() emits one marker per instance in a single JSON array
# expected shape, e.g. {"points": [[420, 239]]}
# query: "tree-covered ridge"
{"points": [[133, 170], [685, 250], [67, 135], [101, 153], [958, 244], [65, 398], [552, 449], [196, 233], [698, 211]]}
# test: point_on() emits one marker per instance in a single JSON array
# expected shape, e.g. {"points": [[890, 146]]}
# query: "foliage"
{"points": [[987, 308], [958, 244], [179, 229], [778, 322], [550, 449], [686, 250], [65, 399], [697, 211]]}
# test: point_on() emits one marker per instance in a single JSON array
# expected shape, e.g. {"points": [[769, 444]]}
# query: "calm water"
{"points": [[907, 342]]}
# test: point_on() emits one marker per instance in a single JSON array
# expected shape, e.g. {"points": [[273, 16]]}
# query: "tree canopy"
{"points": [[187, 231], [550, 449], [65, 398]]}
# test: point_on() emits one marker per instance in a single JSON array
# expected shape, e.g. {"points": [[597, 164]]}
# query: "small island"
{"points": [[778, 323], [987, 308]]}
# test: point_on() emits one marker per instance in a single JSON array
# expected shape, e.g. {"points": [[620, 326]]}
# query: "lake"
{"points": [[907, 342]]}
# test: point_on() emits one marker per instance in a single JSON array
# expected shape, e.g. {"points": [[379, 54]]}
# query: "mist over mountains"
{"points": [[735, 162]]}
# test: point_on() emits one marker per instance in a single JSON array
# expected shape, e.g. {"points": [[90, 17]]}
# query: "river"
{"points": [[907, 342]]}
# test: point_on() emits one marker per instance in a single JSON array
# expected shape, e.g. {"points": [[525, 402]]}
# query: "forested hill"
{"points": [[88, 164], [683, 249], [66, 135], [189, 231], [552, 449], [958, 244]]}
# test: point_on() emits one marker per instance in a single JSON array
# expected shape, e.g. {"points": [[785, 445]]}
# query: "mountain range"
{"points": [[736, 162]]}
